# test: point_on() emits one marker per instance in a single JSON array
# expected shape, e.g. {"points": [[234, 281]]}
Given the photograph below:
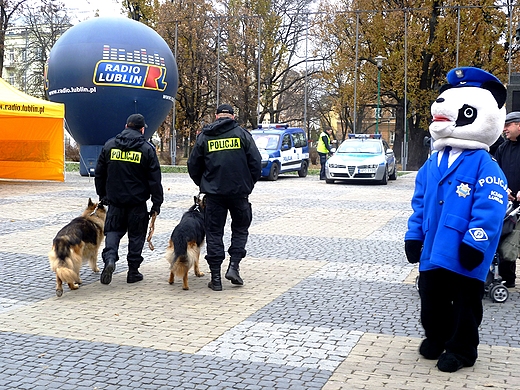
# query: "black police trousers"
{"points": [[451, 311], [217, 208], [119, 221]]}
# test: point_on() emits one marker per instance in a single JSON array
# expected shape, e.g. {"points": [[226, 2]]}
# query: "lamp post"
{"points": [[379, 62]]}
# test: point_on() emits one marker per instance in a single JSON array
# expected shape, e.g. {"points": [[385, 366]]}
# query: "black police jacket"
{"points": [[508, 157], [128, 171], [225, 160]]}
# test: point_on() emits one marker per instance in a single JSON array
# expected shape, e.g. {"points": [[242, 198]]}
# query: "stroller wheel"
{"points": [[499, 293]]}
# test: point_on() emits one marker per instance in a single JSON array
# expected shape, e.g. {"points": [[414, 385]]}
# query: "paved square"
{"points": [[328, 303]]}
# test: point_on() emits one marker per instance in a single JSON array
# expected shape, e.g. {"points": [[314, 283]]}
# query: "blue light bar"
{"points": [[364, 136], [273, 126]]}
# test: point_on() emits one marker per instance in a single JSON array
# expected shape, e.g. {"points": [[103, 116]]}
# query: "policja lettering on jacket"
{"points": [[130, 156], [215, 145]]}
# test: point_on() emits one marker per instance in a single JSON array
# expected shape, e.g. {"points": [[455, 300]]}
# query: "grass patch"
{"points": [[71, 166], [74, 167], [174, 169]]}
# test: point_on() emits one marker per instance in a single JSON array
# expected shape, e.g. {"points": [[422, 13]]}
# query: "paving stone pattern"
{"points": [[328, 303]]}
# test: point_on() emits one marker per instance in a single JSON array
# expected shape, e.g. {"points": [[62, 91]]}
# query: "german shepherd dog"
{"points": [[75, 244], [185, 242]]}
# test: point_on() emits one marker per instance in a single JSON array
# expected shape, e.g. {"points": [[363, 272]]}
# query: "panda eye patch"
{"points": [[467, 115]]}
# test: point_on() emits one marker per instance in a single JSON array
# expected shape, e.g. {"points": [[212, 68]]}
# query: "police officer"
{"points": [[127, 174], [225, 163], [323, 149]]}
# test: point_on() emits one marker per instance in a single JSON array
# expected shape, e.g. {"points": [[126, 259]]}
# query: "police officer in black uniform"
{"points": [[225, 163], [127, 174]]}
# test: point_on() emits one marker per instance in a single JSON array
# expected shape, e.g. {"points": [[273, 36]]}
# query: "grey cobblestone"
{"points": [[355, 306]]}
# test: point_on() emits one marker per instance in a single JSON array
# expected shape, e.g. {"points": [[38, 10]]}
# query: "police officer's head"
{"points": [[136, 122], [225, 111]]}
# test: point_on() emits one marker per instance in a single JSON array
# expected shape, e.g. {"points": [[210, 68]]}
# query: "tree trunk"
{"points": [[417, 151]]}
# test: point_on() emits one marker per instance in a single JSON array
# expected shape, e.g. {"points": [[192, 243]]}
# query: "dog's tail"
{"points": [[181, 266], [182, 262], [180, 245], [62, 259], [61, 247]]}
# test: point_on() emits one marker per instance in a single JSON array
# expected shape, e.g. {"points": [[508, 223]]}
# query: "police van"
{"points": [[283, 149]]}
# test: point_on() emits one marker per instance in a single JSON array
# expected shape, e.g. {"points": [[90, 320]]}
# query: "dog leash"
{"points": [[150, 232], [94, 212]]}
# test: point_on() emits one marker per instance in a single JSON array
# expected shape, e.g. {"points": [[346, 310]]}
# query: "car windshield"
{"points": [[358, 146], [266, 141]]}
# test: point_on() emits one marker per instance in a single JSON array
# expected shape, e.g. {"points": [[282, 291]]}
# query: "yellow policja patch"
{"points": [[215, 145], [129, 156]]}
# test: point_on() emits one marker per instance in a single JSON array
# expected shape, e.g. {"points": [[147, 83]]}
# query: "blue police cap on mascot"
{"points": [[469, 113]]}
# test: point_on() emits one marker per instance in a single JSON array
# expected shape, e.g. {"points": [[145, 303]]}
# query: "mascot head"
{"points": [[469, 113]]}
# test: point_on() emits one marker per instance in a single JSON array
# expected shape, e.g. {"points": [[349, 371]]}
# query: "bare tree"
{"points": [[44, 24], [8, 10], [188, 30], [263, 48]]}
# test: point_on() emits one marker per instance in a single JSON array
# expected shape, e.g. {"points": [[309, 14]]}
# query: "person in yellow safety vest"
{"points": [[323, 150]]}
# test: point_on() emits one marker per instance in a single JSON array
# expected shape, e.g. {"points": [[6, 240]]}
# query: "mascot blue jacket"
{"points": [[459, 205], [467, 203]]}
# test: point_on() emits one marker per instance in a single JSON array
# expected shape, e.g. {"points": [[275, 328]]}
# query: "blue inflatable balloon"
{"points": [[105, 69]]}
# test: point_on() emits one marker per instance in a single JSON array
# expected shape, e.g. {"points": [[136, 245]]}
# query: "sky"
{"points": [[80, 10]]}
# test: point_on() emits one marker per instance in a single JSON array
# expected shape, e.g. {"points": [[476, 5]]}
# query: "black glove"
{"points": [[155, 209], [470, 258], [103, 202], [413, 249]]}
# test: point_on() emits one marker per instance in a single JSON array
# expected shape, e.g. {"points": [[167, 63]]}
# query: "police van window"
{"points": [[299, 140], [286, 140]]}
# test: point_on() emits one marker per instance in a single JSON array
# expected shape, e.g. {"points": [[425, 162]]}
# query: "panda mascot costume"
{"points": [[459, 203]]}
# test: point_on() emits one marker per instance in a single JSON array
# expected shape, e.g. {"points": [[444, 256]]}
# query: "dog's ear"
{"points": [[90, 203], [195, 199]]}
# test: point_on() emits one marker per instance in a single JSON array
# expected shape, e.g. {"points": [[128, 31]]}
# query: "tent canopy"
{"points": [[31, 136]]}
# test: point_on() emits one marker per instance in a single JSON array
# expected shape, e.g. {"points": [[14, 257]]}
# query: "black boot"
{"points": [[133, 275], [106, 275], [233, 274], [216, 282]]}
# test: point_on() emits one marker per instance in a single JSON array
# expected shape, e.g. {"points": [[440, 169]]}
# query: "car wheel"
{"points": [[384, 180], [393, 176], [329, 181], [273, 173], [304, 169]]}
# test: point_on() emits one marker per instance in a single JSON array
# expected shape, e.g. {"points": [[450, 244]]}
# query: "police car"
{"points": [[362, 157], [283, 149]]}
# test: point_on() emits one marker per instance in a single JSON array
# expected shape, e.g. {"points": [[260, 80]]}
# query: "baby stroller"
{"points": [[494, 286]]}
